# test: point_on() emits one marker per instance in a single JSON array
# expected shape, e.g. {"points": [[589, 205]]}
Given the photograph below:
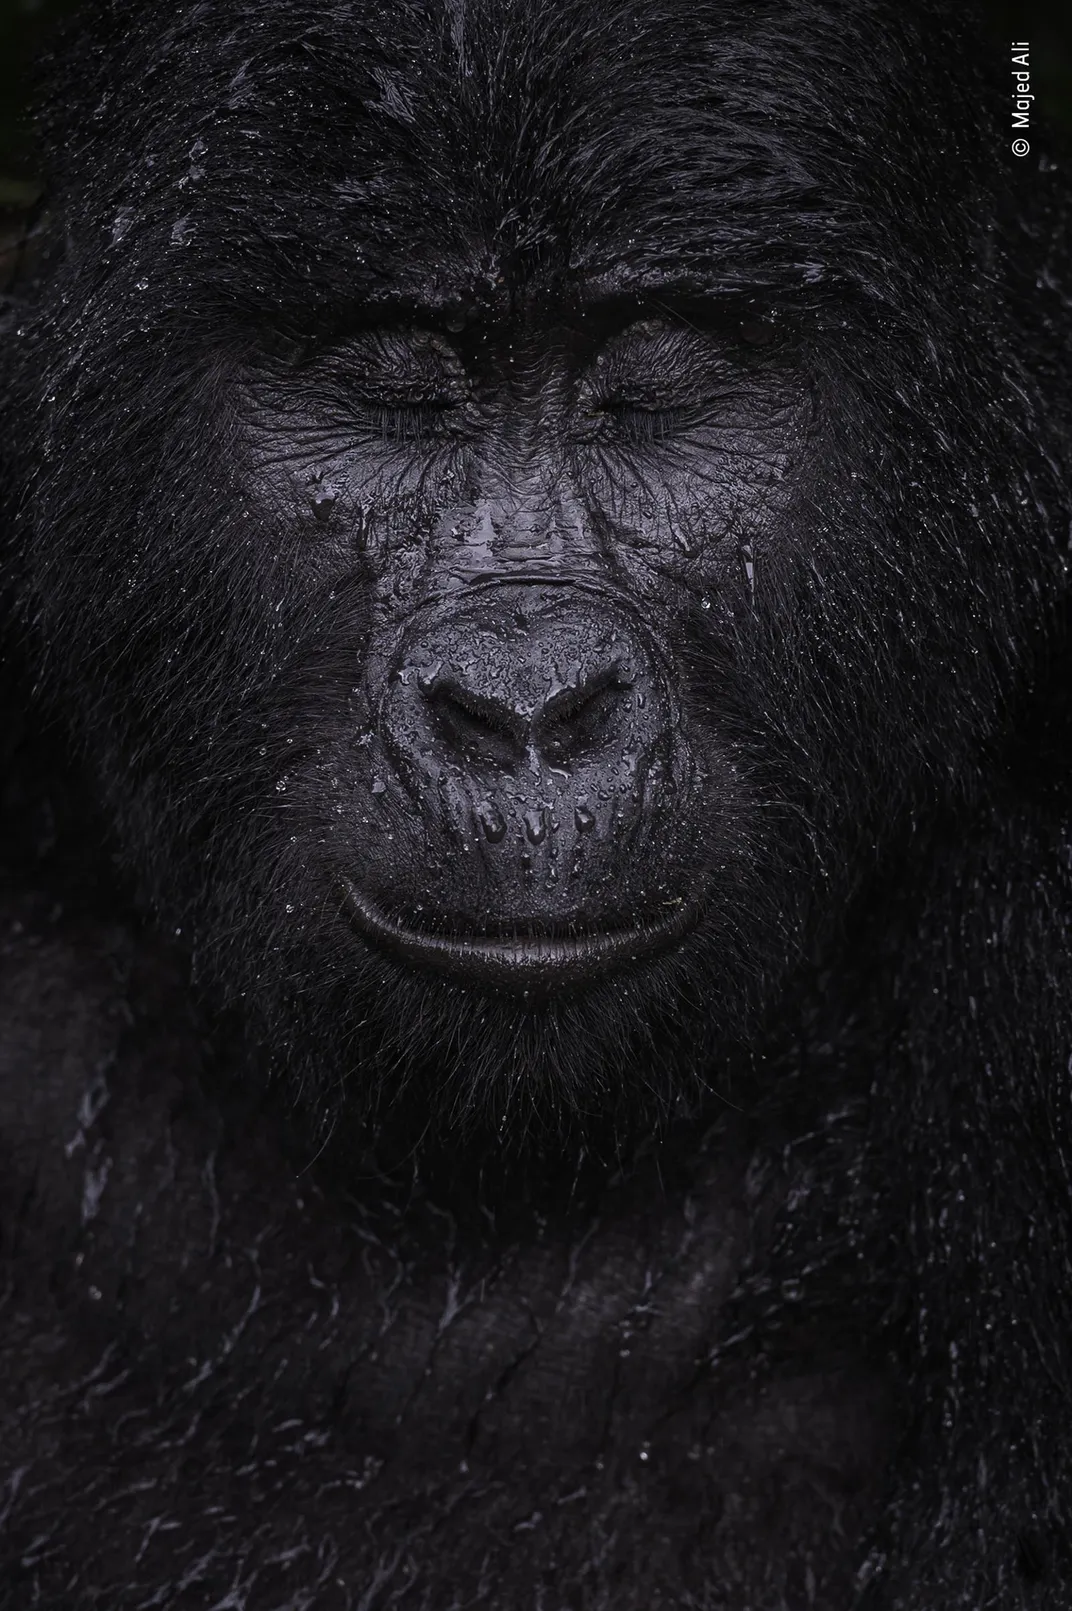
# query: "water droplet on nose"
{"points": [[583, 816], [379, 786], [536, 826], [324, 499], [492, 821], [686, 538]]}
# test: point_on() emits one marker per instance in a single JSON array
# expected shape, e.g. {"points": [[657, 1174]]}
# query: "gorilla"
{"points": [[536, 1067]]}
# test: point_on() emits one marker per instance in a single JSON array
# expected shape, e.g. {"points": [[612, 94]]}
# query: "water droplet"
{"points": [[324, 500], [686, 538], [583, 816], [492, 821], [379, 786], [536, 826], [121, 224]]}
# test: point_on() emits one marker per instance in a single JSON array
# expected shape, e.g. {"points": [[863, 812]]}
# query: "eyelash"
{"points": [[644, 424], [406, 422], [424, 415]]}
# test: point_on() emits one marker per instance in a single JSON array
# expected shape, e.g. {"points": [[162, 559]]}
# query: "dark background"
{"points": [[24, 24]]}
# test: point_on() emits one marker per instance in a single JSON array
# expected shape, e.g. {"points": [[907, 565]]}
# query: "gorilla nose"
{"points": [[498, 724], [557, 681]]}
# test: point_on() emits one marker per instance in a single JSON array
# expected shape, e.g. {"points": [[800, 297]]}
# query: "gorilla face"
{"points": [[507, 517], [515, 786]]}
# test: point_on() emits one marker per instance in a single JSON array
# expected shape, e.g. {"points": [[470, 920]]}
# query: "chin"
{"points": [[430, 1027]]}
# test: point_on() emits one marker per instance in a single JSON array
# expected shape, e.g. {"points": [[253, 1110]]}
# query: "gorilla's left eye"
{"points": [[658, 377], [641, 422]]}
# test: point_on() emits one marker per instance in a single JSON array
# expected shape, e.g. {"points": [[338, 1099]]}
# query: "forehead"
{"points": [[457, 147]]}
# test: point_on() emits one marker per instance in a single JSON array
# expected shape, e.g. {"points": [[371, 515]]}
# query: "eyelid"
{"points": [[670, 365], [392, 346], [631, 371], [721, 327], [395, 373]]}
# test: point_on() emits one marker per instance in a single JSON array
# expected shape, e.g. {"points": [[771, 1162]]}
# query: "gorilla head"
{"points": [[510, 502]]}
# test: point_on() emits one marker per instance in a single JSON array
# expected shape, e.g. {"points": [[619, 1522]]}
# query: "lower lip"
{"points": [[526, 965]]}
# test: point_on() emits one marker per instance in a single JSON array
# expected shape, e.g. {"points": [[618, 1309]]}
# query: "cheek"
{"points": [[702, 513], [339, 506]]}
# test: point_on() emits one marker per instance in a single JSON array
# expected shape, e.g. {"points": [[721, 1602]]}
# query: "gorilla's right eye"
{"points": [[397, 384]]}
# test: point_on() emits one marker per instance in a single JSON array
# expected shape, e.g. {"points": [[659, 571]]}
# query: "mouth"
{"points": [[525, 962]]}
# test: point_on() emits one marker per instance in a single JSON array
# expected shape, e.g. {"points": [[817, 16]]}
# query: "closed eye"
{"points": [[645, 422], [400, 385], [404, 420]]}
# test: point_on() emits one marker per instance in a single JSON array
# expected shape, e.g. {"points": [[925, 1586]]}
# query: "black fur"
{"points": [[737, 1277]]}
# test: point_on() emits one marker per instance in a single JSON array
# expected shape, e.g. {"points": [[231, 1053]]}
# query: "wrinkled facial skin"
{"points": [[504, 511], [518, 792]]}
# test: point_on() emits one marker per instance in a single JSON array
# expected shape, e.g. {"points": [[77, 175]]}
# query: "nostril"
{"points": [[574, 717], [559, 693], [568, 704], [580, 703], [476, 723]]}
